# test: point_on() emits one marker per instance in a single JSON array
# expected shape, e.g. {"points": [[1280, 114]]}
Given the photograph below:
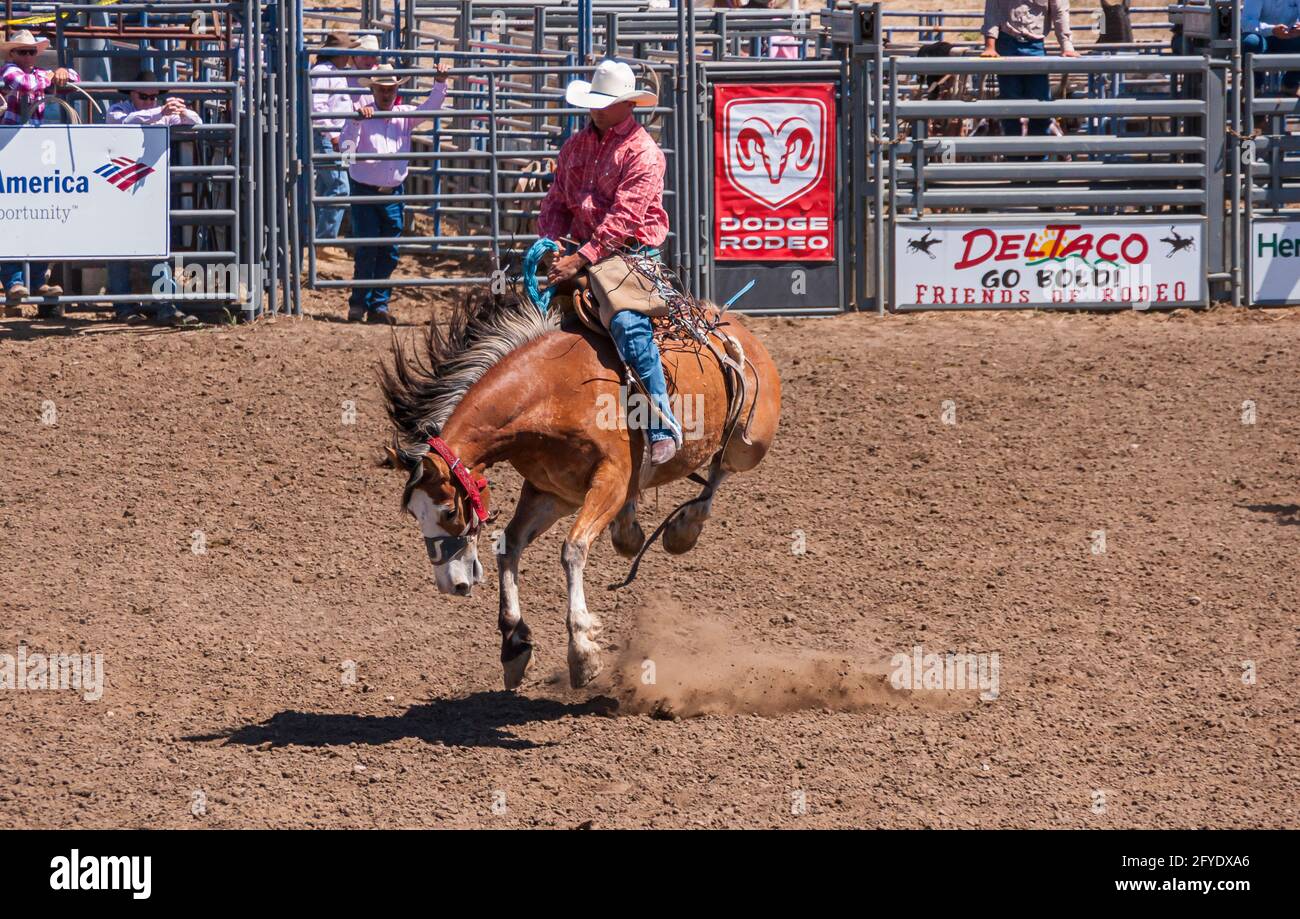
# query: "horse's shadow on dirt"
{"points": [[1284, 514], [482, 719]]}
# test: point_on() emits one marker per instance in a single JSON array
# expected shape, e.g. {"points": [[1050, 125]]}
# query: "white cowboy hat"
{"points": [[612, 83], [367, 43], [381, 79], [24, 39]]}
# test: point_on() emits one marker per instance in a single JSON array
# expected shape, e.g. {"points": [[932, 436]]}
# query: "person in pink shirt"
{"points": [[23, 84], [607, 196], [381, 178], [22, 90], [142, 106]]}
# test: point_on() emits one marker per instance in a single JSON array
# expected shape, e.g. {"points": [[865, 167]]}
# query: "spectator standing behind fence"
{"points": [[1018, 28], [381, 177], [365, 56], [23, 86], [141, 106], [330, 94], [1272, 27]]}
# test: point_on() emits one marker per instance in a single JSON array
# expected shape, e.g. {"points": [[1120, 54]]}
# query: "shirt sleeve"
{"points": [[143, 116], [1252, 17], [320, 94], [1060, 10], [555, 218], [641, 184], [992, 16], [431, 103], [350, 137]]}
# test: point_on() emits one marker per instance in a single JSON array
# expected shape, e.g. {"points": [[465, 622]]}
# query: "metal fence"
{"points": [[1198, 141], [229, 215]]}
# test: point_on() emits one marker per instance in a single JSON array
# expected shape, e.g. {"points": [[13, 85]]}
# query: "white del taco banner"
{"points": [[84, 192], [1048, 262], [1275, 261]]}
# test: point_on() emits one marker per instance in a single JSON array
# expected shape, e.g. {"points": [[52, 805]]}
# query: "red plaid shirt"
{"points": [[607, 189], [24, 93]]}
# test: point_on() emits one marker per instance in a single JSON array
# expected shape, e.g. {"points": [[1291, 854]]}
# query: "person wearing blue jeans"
{"points": [[633, 335], [1272, 27], [1018, 28], [330, 183], [161, 281], [606, 197], [368, 135], [374, 262], [15, 287]]}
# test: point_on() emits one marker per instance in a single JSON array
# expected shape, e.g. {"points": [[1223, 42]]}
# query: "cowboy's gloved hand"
{"points": [[562, 269], [441, 75]]}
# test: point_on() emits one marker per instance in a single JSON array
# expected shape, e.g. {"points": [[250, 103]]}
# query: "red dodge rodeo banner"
{"points": [[774, 172]]}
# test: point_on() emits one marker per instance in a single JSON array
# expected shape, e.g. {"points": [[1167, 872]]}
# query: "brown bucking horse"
{"points": [[505, 383]]}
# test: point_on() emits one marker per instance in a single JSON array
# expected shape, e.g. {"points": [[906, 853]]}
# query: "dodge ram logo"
{"points": [[775, 147]]}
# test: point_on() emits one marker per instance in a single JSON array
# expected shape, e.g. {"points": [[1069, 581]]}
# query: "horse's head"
{"points": [[450, 515]]}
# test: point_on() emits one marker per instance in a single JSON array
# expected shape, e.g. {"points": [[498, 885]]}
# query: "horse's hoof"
{"points": [[514, 669], [627, 542], [583, 668], [681, 539]]}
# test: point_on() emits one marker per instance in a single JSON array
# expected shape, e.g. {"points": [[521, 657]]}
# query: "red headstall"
{"points": [[473, 486]]}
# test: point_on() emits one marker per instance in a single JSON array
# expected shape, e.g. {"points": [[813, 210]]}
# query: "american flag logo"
{"points": [[123, 172]]}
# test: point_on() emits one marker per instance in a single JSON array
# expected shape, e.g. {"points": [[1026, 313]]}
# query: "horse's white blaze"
{"points": [[428, 513], [461, 569]]}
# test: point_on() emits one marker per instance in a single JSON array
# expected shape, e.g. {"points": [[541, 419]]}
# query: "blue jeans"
{"points": [[1023, 85], [1255, 43], [161, 281], [11, 273], [330, 183], [374, 263], [633, 335]]}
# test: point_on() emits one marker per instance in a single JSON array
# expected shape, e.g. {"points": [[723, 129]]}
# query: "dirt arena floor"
{"points": [[874, 527]]}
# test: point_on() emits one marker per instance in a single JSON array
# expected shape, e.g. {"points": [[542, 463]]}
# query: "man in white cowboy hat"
{"points": [[22, 89], [607, 196], [381, 179], [329, 94]]}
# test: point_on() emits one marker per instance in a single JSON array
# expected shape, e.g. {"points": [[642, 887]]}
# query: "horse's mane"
{"points": [[421, 389]]}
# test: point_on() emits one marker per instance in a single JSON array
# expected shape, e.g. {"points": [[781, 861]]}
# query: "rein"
{"points": [[473, 487]]}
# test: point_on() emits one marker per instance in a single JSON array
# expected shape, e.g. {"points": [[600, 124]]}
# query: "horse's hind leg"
{"points": [[534, 515], [625, 532], [684, 532], [605, 496]]}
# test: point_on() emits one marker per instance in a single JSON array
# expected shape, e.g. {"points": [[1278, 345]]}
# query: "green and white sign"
{"points": [[1275, 262]]}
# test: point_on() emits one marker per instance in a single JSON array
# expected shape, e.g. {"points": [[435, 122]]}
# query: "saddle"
{"points": [[646, 286]]}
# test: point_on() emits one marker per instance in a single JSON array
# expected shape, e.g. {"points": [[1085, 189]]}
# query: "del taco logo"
{"points": [[1056, 242], [1005, 264]]}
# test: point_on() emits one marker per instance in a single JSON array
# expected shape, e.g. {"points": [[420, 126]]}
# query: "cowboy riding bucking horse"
{"points": [[510, 380]]}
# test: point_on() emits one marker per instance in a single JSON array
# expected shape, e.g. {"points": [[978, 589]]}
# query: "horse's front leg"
{"points": [[607, 494], [534, 515]]}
